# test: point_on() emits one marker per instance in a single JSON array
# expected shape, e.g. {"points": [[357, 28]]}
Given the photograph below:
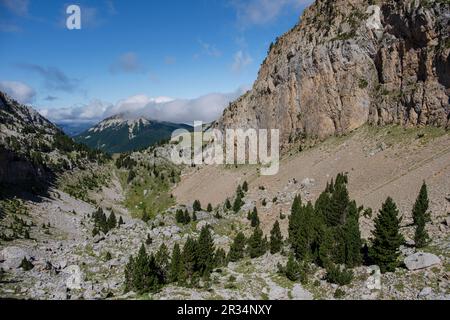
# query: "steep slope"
{"points": [[33, 150], [122, 134], [348, 63]]}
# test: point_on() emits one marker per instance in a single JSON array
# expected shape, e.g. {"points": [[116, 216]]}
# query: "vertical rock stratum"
{"points": [[351, 62]]}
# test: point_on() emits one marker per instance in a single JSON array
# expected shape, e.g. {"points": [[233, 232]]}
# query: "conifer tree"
{"points": [[120, 221], [176, 264], [256, 244], [420, 236], [227, 204], [387, 238], [112, 222], [254, 218], [353, 242], [209, 208], [276, 239], [197, 206], [205, 251], [189, 257], [194, 216], [237, 248], [421, 206], [187, 217], [294, 220], [220, 258], [245, 186], [292, 268], [179, 216], [162, 261]]}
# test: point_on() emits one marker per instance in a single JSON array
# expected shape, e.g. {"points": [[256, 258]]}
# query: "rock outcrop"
{"points": [[351, 62]]}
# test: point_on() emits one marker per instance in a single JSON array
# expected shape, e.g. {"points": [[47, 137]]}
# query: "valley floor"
{"points": [[70, 263]]}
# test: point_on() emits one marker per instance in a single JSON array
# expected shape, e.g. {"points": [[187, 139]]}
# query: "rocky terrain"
{"points": [[348, 63], [370, 77]]}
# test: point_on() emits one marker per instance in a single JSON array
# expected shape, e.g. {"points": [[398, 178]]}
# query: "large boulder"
{"points": [[421, 260], [374, 280], [11, 257], [75, 279]]}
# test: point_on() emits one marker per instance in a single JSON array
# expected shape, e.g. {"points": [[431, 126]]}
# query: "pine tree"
{"points": [[162, 262], [120, 221], [205, 251], [276, 239], [254, 218], [194, 217], [187, 217], [197, 206], [227, 204], [179, 216], [387, 238], [292, 268], [149, 240], [176, 264], [112, 222], [294, 220], [245, 186], [237, 248], [421, 206], [420, 236], [220, 258], [256, 244], [353, 242], [189, 257], [209, 208]]}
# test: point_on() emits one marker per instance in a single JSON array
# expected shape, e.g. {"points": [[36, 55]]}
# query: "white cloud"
{"points": [[241, 59], [260, 12], [205, 108], [208, 49], [18, 91]]}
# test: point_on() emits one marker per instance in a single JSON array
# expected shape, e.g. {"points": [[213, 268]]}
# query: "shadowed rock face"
{"points": [[348, 63]]}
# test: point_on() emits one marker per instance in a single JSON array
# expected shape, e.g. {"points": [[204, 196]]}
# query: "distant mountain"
{"points": [[33, 151], [122, 134], [74, 129]]}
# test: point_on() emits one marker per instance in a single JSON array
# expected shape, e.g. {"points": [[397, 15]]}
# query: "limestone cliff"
{"points": [[351, 62]]}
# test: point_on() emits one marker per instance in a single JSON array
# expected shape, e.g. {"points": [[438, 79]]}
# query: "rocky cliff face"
{"points": [[351, 62]]}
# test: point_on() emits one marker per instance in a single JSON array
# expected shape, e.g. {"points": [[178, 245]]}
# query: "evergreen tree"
{"points": [[353, 242], [190, 258], [292, 268], [187, 217], [276, 239], [162, 262], [256, 244], [194, 217], [420, 236], [254, 218], [237, 248], [149, 240], [112, 222], [120, 221], [197, 206], [421, 206], [245, 186], [179, 216], [205, 251], [209, 208], [294, 220], [227, 204], [387, 238], [305, 236], [220, 258], [176, 264]]}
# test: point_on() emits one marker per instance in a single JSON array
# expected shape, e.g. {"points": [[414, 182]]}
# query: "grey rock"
{"points": [[425, 292], [75, 279], [12, 257], [299, 293], [421, 260]]}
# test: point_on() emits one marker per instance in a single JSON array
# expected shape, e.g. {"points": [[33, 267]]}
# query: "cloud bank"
{"points": [[18, 91], [206, 108]]}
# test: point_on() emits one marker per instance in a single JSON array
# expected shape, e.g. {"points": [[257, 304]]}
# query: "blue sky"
{"points": [[130, 52]]}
